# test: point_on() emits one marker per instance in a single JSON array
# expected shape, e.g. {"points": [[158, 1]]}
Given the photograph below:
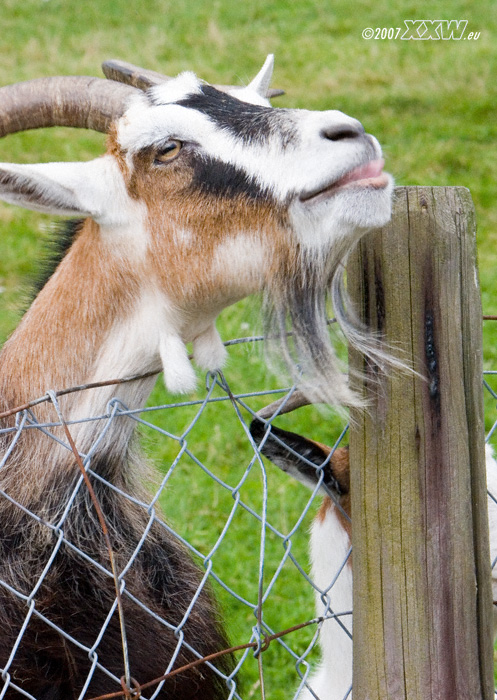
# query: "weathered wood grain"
{"points": [[422, 599]]}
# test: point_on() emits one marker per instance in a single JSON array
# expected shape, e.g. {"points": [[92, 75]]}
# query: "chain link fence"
{"points": [[243, 521]]}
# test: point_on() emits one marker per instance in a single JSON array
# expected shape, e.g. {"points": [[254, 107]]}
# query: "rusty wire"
{"points": [[259, 649]]}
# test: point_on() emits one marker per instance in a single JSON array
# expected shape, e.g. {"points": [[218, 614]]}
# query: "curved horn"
{"points": [[127, 73], [287, 404], [143, 78], [77, 101]]}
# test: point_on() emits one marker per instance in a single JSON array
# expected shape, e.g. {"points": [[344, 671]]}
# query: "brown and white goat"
{"points": [[202, 198], [315, 464]]}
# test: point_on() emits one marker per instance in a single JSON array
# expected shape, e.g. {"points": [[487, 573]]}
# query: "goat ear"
{"points": [[293, 454], [67, 189], [260, 84]]}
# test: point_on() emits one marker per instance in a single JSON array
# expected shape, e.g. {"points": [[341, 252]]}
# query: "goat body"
{"points": [[202, 198]]}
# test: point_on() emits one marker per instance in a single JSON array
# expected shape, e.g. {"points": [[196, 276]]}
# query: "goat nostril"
{"points": [[340, 132]]}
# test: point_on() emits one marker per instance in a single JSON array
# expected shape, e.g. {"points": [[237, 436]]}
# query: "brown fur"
{"points": [[339, 464], [213, 222], [89, 290]]}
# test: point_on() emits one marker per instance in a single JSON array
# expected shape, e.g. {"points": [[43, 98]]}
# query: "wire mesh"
{"points": [[243, 522]]}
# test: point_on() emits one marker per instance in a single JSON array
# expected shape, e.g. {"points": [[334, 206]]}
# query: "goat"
{"points": [[330, 545], [203, 197]]}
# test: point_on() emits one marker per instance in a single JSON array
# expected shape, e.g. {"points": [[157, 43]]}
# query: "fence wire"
{"points": [[243, 521]]}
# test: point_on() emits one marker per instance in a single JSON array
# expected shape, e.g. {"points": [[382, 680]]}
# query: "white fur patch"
{"points": [[179, 375], [491, 466], [184, 84], [183, 236], [241, 261], [209, 352], [329, 546], [150, 339], [131, 347]]}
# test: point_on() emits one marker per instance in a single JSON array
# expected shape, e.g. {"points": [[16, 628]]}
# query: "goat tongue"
{"points": [[372, 169]]}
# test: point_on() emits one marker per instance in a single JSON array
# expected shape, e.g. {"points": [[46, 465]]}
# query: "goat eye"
{"points": [[168, 152]]}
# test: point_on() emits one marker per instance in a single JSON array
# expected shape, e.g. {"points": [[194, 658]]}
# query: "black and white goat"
{"points": [[202, 198], [330, 546]]}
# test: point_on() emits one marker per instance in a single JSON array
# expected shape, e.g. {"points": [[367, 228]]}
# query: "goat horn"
{"points": [[127, 73], [77, 101], [260, 83], [143, 78], [285, 405]]}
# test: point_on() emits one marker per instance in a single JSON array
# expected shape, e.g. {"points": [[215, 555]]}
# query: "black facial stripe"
{"points": [[214, 177], [251, 123]]}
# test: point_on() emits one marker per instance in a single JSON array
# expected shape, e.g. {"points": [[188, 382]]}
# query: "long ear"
{"points": [[260, 84], [300, 457], [67, 189]]}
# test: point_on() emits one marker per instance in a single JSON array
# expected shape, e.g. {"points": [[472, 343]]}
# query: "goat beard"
{"points": [[298, 332]]}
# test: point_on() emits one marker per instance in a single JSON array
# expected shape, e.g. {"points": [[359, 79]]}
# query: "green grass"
{"points": [[431, 104]]}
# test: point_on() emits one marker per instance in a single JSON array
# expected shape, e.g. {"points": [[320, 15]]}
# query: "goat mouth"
{"points": [[368, 175]]}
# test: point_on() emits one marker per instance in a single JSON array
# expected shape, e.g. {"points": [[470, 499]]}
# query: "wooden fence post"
{"points": [[422, 593]]}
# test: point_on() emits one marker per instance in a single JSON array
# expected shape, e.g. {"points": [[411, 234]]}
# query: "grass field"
{"points": [[432, 105]]}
